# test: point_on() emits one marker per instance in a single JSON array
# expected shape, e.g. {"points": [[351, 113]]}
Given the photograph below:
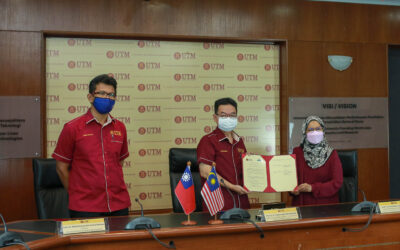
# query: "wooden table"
{"points": [[320, 227]]}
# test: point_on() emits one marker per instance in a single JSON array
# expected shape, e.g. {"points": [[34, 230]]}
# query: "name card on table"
{"points": [[82, 226], [389, 207], [289, 213]]}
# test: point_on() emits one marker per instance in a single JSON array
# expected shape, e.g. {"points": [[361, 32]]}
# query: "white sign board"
{"points": [[350, 123]]}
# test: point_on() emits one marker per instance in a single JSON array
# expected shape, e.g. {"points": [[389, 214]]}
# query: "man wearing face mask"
{"points": [[90, 153], [319, 170], [224, 147]]}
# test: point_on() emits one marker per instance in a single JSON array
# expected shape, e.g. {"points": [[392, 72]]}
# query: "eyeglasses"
{"points": [[314, 129], [105, 94], [224, 115]]}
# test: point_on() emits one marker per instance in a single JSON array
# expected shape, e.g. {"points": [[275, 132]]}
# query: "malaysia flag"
{"points": [[212, 193], [184, 191]]}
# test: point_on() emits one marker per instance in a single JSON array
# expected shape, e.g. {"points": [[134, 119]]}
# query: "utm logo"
{"points": [[177, 55], [143, 109], [110, 54], [78, 86], [143, 196], [186, 77], [270, 128], [78, 109], [240, 118], [51, 143], [142, 174], [213, 66], [79, 42], [185, 119], [120, 76], [52, 75], [150, 152], [207, 108], [274, 67], [247, 77], [118, 54], [247, 57], [250, 139], [273, 87], [149, 130], [123, 119], [150, 173], [52, 98], [247, 98], [177, 77], [185, 98], [149, 87], [149, 44], [149, 65], [184, 55], [52, 53], [52, 121], [269, 107], [267, 47], [185, 140], [213, 45], [79, 64], [127, 164], [208, 129], [71, 64], [123, 98]]}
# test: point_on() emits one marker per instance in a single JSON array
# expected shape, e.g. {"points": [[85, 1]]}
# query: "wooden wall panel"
{"points": [[20, 60], [311, 75], [373, 173], [17, 198], [20, 70], [278, 19]]}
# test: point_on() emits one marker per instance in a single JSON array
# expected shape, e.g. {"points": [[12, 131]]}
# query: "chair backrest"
{"points": [[349, 190], [178, 157], [51, 197]]}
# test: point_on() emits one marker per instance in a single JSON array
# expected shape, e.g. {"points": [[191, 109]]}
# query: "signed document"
{"points": [[269, 173]]}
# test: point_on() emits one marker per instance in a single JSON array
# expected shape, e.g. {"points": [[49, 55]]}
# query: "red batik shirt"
{"points": [[215, 147], [94, 152]]}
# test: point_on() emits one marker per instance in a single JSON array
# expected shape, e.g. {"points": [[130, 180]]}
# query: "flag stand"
{"points": [[188, 222], [215, 221]]}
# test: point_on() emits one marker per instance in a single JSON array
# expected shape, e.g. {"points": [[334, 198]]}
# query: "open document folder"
{"points": [[269, 174]]}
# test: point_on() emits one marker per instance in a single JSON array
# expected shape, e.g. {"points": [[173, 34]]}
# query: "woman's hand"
{"points": [[305, 187]]}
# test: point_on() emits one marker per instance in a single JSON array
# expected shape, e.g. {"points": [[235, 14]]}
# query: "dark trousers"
{"points": [[79, 214]]}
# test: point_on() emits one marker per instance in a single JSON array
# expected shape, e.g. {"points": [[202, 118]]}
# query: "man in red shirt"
{"points": [[224, 147], [90, 152]]}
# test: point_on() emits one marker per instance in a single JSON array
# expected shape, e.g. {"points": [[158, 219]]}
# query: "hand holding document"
{"points": [[269, 174]]}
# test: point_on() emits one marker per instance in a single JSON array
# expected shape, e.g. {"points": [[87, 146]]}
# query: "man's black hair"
{"points": [[224, 101], [106, 79]]}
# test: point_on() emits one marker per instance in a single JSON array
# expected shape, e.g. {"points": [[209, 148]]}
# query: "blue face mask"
{"points": [[103, 105], [227, 123]]}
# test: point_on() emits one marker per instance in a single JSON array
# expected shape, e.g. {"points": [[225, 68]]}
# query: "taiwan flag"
{"points": [[184, 191]]}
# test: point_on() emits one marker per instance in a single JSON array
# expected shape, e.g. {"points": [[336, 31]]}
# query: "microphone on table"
{"points": [[236, 213], [364, 206], [147, 223], [10, 238]]}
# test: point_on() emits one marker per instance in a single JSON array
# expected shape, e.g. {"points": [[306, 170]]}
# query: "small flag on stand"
{"points": [[184, 191], [212, 194]]}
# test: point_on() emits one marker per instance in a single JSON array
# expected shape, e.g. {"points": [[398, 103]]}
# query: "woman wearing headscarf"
{"points": [[319, 170]]}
